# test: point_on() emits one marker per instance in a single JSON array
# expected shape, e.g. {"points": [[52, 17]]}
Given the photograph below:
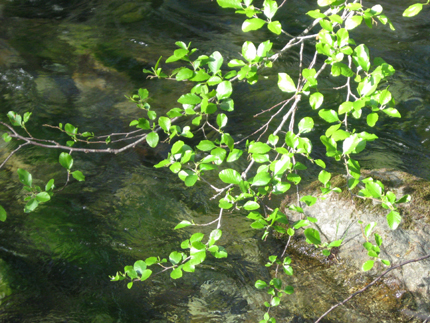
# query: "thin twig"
{"points": [[371, 284], [12, 153]]}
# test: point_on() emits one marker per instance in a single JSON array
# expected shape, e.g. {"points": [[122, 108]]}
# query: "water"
{"points": [[73, 61]]}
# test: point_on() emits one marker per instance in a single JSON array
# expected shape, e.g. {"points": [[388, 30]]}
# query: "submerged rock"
{"points": [[404, 293]]}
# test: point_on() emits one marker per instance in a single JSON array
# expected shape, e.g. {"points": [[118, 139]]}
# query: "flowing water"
{"points": [[73, 61]]}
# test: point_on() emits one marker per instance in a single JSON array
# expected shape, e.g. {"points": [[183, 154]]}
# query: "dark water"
{"points": [[73, 61]]}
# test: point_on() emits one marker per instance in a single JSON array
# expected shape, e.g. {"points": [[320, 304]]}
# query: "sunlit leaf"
{"points": [[286, 83], [252, 24], [230, 176], [183, 224], [368, 265], [66, 160], [25, 177], [413, 10]]}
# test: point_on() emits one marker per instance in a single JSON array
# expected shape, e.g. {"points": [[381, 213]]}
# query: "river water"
{"points": [[73, 61]]}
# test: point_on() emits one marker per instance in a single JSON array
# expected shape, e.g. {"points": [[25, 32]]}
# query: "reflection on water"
{"points": [[73, 61]]}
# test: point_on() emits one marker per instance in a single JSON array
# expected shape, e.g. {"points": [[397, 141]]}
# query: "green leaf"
{"points": [[386, 262], [249, 51], [375, 189], [324, 3], [143, 93], [224, 90], [175, 257], [27, 116], [184, 74], [191, 180], [295, 178], [309, 200], [236, 62], [139, 266], [288, 270], [218, 252], [130, 285], [269, 8], [340, 135], [252, 24], [178, 55], [378, 239], [289, 290], [345, 107], [31, 205], [328, 115], [14, 118], [413, 10], [368, 229], [25, 177], [175, 167], [230, 176], [183, 224], [164, 123], [306, 125], [66, 160], [176, 273], [214, 236], [324, 177], [325, 24], [226, 105], [189, 98], [221, 120], [404, 199], [316, 14], [43, 197], [372, 118], [235, 4], [259, 148], [320, 163], [260, 284], [393, 219], [392, 112], [220, 154], [152, 139], [368, 265], [286, 83], [261, 179], [275, 27], [3, 214], [146, 274], [205, 145], [315, 100], [341, 69], [313, 236], [251, 205], [78, 176], [275, 301], [281, 188], [353, 22], [300, 224], [361, 57], [234, 155], [350, 144], [6, 137]]}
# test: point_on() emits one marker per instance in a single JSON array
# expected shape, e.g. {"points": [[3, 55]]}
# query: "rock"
{"points": [[406, 289]]}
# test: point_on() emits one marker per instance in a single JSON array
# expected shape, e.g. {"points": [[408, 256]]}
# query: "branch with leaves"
{"points": [[276, 157]]}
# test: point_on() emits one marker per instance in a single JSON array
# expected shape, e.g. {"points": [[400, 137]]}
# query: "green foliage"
{"points": [[272, 165]]}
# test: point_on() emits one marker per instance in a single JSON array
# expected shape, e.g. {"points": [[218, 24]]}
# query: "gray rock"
{"points": [[338, 217]]}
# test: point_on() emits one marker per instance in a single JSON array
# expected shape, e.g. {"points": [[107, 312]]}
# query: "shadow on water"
{"points": [[73, 61]]}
